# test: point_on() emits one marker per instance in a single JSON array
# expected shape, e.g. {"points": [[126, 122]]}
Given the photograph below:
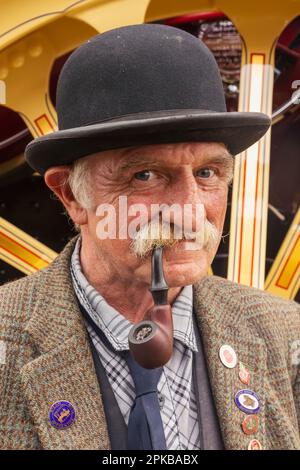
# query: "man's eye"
{"points": [[143, 175], [205, 172]]}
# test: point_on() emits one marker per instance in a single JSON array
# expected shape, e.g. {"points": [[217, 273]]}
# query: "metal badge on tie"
{"points": [[62, 414], [228, 356]]}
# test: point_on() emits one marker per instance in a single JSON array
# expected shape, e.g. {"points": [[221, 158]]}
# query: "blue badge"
{"points": [[247, 401], [62, 414]]}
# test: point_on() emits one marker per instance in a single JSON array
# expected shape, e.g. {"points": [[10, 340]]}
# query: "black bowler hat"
{"points": [[137, 85]]}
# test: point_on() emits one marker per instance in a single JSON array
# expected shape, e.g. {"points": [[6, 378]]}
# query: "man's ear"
{"points": [[56, 178]]}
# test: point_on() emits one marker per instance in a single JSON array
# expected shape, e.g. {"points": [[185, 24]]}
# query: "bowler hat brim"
{"points": [[237, 130]]}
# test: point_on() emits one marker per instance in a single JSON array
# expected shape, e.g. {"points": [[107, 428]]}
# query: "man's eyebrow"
{"points": [[138, 162], [225, 159]]}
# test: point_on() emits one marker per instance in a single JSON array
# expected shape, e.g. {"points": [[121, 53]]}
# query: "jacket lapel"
{"points": [[63, 368], [220, 324]]}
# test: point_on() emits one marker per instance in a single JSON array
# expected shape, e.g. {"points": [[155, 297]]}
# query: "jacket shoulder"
{"points": [[263, 311], [17, 298], [251, 299]]}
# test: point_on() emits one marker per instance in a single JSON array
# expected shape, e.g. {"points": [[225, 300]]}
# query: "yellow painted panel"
{"points": [[44, 125], [21, 250], [284, 276], [291, 266]]}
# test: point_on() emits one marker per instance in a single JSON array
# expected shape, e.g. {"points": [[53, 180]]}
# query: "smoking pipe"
{"points": [[151, 340]]}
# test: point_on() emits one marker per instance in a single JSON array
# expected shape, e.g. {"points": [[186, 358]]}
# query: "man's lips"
{"points": [[183, 245], [179, 247], [188, 245], [183, 252]]}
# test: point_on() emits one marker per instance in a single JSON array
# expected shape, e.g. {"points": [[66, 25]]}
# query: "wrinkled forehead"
{"points": [[170, 155]]}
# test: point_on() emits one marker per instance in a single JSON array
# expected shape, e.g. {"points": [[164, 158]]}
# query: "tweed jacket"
{"points": [[48, 358]]}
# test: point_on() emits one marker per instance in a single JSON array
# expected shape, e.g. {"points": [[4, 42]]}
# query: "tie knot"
{"points": [[145, 380]]}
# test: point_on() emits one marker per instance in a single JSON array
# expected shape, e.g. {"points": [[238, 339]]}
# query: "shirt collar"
{"points": [[114, 325]]}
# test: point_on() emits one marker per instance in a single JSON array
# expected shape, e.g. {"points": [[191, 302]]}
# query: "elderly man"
{"points": [[142, 116]]}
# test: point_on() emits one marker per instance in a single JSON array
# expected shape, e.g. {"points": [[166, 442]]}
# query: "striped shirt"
{"points": [[176, 389]]}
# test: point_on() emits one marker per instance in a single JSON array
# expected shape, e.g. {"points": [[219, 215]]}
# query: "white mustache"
{"points": [[160, 233]]}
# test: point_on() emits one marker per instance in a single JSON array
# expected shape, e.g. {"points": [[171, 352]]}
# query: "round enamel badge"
{"points": [[228, 356], [254, 445], [250, 424], [62, 414], [247, 401]]}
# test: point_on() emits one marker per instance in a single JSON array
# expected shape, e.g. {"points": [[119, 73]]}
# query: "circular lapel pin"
{"points": [[254, 445], [62, 414], [247, 401], [244, 374], [228, 356], [250, 424]]}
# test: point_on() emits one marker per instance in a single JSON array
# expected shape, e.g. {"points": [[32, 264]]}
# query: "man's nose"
{"points": [[186, 194]]}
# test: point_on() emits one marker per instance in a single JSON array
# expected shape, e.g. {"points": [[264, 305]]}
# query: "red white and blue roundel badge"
{"points": [[247, 401], [62, 414], [228, 356]]}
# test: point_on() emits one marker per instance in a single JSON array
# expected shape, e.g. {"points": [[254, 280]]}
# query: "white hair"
{"points": [[79, 181]]}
